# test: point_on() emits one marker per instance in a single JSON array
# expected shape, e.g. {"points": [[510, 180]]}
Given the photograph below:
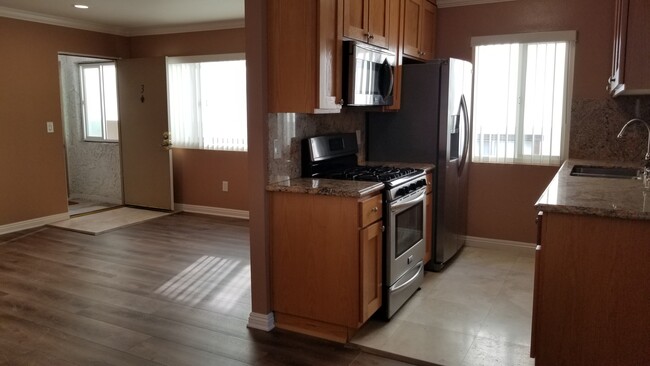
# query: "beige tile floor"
{"points": [[476, 312]]}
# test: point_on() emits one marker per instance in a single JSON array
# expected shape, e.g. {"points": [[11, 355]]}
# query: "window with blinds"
{"points": [[207, 102], [522, 94]]}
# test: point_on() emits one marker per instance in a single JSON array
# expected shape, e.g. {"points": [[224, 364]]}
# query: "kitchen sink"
{"points": [[604, 172]]}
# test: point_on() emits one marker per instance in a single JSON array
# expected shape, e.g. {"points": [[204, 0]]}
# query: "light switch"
{"points": [[50, 126]]}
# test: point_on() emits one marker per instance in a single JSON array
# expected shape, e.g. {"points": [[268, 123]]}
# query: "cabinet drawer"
{"points": [[370, 210]]}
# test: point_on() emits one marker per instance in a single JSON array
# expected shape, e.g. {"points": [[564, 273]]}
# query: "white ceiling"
{"points": [[130, 17]]}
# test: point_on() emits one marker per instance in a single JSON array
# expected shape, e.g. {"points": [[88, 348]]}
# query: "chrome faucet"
{"points": [[646, 164]]}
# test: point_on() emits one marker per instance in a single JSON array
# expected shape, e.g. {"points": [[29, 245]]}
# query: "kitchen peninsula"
{"points": [[592, 274]]}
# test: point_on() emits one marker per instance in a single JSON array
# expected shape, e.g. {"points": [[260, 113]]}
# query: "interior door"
{"points": [[144, 137]]}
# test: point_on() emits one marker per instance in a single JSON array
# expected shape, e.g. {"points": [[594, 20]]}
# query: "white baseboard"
{"points": [[517, 246], [216, 211], [30, 224], [265, 322]]}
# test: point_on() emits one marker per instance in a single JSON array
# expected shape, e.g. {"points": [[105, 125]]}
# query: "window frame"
{"points": [[524, 40], [82, 80]]}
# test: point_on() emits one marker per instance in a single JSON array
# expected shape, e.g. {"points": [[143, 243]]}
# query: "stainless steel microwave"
{"points": [[369, 74]]}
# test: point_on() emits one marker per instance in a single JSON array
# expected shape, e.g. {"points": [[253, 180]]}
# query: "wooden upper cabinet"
{"points": [[630, 73], [304, 56], [367, 21], [419, 32]]}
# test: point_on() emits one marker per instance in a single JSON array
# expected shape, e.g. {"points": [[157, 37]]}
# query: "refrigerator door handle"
{"points": [[463, 160]]}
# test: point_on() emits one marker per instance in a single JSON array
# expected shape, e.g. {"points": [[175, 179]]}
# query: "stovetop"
{"points": [[382, 174], [334, 157]]}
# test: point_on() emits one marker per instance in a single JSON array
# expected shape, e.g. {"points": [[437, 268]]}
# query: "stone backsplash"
{"points": [[595, 123], [287, 130], [594, 126]]}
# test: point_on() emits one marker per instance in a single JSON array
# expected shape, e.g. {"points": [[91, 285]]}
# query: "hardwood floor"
{"points": [[170, 291]]}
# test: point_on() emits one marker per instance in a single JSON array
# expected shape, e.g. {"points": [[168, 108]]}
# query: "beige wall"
{"points": [[501, 196], [198, 173], [198, 177], [186, 44], [33, 182]]}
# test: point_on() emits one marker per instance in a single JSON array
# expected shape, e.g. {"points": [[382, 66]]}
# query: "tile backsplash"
{"points": [[595, 123], [287, 130]]}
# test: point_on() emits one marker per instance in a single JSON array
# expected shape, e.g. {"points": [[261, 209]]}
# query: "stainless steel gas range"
{"points": [[334, 157]]}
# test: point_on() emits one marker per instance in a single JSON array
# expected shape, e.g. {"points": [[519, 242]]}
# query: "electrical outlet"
{"points": [[224, 186], [50, 126]]}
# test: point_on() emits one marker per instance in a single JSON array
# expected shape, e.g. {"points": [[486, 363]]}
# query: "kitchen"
{"points": [[506, 213]]}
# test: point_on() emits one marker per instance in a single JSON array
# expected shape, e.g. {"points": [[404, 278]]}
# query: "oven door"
{"points": [[405, 235]]}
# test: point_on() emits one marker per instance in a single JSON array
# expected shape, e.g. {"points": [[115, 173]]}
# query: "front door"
{"points": [[144, 133]]}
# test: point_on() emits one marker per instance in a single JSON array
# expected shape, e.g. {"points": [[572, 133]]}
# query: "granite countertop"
{"points": [[608, 197], [327, 187], [341, 188]]}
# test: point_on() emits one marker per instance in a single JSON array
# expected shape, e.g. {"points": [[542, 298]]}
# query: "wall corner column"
{"points": [[257, 106]]}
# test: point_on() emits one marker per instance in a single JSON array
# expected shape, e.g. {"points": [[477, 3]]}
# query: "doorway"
{"points": [[93, 166]]}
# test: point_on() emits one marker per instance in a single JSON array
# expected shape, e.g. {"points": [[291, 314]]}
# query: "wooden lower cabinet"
{"points": [[326, 267], [592, 291]]}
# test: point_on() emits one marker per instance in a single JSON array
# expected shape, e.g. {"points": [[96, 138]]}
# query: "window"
{"points": [[207, 102], [522, 94], [99, 102]]}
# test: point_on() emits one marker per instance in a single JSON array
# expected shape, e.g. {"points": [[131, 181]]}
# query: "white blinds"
{"points": [[207, 104], [521, 102]]}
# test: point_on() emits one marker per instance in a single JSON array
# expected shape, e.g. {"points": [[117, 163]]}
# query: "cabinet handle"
{"points": [[370, 36], [374, 209], [341, 102]]}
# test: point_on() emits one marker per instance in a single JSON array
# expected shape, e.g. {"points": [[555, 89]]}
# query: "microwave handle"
{"points": [[385, 93]]}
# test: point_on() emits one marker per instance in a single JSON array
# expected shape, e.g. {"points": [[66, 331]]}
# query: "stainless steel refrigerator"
{"points": [[432, 126]]}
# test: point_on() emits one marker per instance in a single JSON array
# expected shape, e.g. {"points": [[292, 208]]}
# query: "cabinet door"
{"points": [[367, 21], [631, 51], [304, 74], [536, 290], [355, 19], [620, 36], [378, 22], [370, 247], [428, 36], [412, 27]]}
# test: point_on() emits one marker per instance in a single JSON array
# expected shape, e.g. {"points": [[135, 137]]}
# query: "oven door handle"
{"points": [[407, 283], [408, 203]]}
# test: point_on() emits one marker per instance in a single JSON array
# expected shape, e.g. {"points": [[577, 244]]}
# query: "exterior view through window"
{"points": [[521, 102], [99, 102], [207, 102]]}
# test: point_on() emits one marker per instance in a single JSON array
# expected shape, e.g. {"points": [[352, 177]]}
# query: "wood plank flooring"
{"points": [[170, 291]]}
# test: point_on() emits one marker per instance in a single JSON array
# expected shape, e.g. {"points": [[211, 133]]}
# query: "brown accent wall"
{"points": [[32, 168], [198, 177], [198, 173], [501, 196]]}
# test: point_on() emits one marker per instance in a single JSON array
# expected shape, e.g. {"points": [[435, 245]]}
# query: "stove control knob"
{"points": [[400, 192], [422, 183], [412, 187]]}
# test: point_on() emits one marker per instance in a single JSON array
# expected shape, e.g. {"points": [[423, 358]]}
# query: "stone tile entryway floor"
{"points": [[476, 312]]}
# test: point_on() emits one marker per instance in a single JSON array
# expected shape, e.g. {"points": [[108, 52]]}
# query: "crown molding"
{"points": [[454, 3], [120, 31]]}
